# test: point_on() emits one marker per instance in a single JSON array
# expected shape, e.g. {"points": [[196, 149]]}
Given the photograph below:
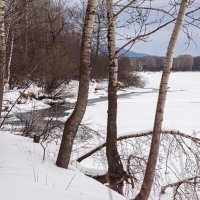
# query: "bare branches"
{"points": [[144, 20], [138, 135], [179, 153], [190, 181], [142, 36], [125, 7]]}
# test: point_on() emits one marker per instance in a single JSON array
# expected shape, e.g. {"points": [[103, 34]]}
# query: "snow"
{"points": [[23, 175], [136, 111], [11, 97]]}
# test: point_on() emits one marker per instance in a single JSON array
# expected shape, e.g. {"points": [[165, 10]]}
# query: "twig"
{"points": [[137, 135]]}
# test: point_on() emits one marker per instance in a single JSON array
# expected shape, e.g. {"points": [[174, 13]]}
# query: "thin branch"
{"points": [[124, 7], [140, 37], [137, 135], [178, 183]]}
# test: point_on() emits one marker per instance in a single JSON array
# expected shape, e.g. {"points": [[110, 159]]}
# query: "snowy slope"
{"points": [[23, 175]]}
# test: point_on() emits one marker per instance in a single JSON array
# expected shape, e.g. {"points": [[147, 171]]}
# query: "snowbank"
{"points": [[23, 175]]}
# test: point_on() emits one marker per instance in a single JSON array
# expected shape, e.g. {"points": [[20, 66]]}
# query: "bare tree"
{"points": [[155, 143], [10, 58], [100, 28], [46, 30], [73, 122], [115, 167], [196, 63], [183, 63], [2, 51]]}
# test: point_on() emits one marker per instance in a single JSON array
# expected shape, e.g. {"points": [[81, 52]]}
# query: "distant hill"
{"points": [[132, 54]]}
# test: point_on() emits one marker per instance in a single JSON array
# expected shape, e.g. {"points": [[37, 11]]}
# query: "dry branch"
{"points": [[178, 183], [137, 135]]}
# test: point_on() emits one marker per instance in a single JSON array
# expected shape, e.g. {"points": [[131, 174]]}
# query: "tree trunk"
{"points": [[10, 60], [115, 167], [2, 51], [155, 143], [73, 122], [98, 36]]}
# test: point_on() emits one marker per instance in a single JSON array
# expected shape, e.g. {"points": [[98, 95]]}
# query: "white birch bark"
{"points": [[73, 122], [10, 58], [2, 51], [115, 167], [155, 143]]}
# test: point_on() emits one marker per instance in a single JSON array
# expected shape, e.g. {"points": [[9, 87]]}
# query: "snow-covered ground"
{"points": [[136, 111], [23, 174]]}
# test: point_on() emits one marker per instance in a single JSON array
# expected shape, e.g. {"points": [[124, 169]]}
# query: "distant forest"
{"points": [[154, 63]]}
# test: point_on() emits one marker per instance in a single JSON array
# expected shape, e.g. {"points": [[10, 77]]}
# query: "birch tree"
{"points": [[73, 122], [115, 167], [2, 51], [10, 60], [155, 143]]}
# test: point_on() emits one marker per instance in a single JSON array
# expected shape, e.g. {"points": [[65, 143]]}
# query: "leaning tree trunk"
{"points": [[73, 122], [115, 167], [2, 51], [155, 143]]}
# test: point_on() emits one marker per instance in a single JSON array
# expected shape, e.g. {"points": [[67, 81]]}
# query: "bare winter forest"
{"points": [[83, 116]]}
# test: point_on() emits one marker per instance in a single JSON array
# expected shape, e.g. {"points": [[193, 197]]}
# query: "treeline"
{"points": [[154, 63], [43, 44]]}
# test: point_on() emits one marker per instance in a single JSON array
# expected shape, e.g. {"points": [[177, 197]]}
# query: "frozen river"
{"points": [[136, 111]]}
